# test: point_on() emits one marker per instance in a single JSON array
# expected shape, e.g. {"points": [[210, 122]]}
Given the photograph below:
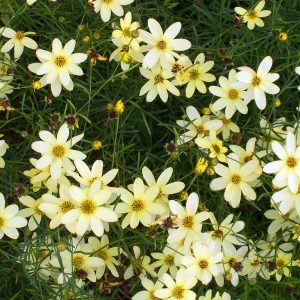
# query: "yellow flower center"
{"points": [[137, 205], [60, 61], [188, 222], [38, 211], [226, 121], [233, 94], [102, 254], [162, 45], [255, 262], [66, 206], [280, 263], [2, 222], [169, 260], [152, 297], [236, 179], [203, 263], [127, 32], [107, 1], [88, 207], [194, 74], [248, 158], [78, 262], [232, 262], [20, 35], [216, 148], [178, 292], [59, 151], [41, 254], [291, 162], [255, 81], [251, 14], [200, 129], [158, 78]]}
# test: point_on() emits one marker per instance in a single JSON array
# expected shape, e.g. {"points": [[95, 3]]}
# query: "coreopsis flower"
{"points": [[280, 221], [196, 74], [5, 87], [253, 16], [297, 70], [87, 176], [10, 220], [284, 261], [231, 98], [142, 262], [56, 66], [287, 168], [189, 221], [17, 40], [158, 84], [197, 126], [228, 126], [129, 32], [57, 151], [32, 210], [76, 260], [39, 177], [165, 261], [214, 145], [162, 46], [180, 289], [55, 207], [165, 188], [254, 265], [236, 179], [105, 7], [150, 289], [139, 206], [227, 232], [233, 262], [258, 83], [3, 148], [205, 262], [108, 255], [89, 212], [209, 296], [126, 54]]}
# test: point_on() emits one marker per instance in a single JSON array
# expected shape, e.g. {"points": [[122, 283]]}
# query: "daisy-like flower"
{"points": [[287, 200], [214, 145], [142, 262], [158, 84], [258, 83], [284, 261], [126, 54], [150, 289], [165, 188], [105, 7], [227, 232], [129, 32], [10, 220], [196, 74], [165, 262], [76, 260], [17, 40], [205, 262], [231, 98], [197, 126], [56, 151], [39, 177], [162, 45], [87, 176], [139, 206], [54, 208], [5, 87], [3, 148], [102, 250], [236, 179], [32, 210], [233, 262], [189, 221], [180, 289], [56, 66], [89, 212], [253, 16], [287, 168]]}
